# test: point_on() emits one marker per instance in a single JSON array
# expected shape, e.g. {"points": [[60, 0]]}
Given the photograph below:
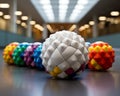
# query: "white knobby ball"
{"points": [[64, 54]]}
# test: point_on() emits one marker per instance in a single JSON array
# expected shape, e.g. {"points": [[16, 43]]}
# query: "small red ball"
{"points": [[101, 56]]}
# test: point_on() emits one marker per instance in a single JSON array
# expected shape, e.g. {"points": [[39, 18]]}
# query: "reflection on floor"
{"points": [[15, 81]]}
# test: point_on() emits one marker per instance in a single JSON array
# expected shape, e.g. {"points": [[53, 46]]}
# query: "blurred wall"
{"points": [[113, 40], [7, 37]]}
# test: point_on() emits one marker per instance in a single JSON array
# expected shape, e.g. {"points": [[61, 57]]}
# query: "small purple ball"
{"points": [[28, 54]]}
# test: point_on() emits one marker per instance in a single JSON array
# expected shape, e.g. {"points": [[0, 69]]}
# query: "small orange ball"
{"points": [[101, 56], [7, 52]]}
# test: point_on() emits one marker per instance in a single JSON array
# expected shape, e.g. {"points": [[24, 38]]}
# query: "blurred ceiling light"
{"points": [[72, 27], [24, 18], [108, 19], [102, 18], [4, 5], [18, 21], [47, 8], [18, 13], [86, 26], [91, 23], [62, 2], [82, 7], [71, 11], [81, 28], [32, 22], [23, 24], [63, 6], [50, 28], [44, 1], [116, 21], [114, 13], [39, 27], [1, 13], [79, 7], [62, 12], [83, 2], [6, 16]]}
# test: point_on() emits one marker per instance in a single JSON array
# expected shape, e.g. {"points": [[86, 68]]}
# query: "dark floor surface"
{"points": [[16, 81]]}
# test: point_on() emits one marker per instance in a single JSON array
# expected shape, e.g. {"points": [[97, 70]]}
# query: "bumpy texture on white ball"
{"points": [[64, 54]]}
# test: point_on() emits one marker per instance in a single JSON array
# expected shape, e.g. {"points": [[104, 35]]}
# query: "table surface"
{"points": [[21, 81]]}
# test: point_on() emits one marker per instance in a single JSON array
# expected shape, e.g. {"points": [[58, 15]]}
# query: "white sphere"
{"points": [[64, 54]]}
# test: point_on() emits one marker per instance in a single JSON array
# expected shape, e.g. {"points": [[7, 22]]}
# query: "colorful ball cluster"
{"points": [[101, 56], [64, 54], [23, 54], [7, 53]]}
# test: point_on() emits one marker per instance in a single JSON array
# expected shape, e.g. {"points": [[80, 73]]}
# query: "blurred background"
{"points": [[35, 20]]}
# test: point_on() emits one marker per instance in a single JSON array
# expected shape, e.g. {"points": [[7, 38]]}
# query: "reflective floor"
{"points": [[15, 81]]}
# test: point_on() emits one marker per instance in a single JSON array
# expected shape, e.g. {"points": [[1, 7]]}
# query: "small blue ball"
{"points": [[37, 58]]}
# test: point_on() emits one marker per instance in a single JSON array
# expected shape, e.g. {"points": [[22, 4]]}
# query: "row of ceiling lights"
{"points": [[19, 13], [101, 18], [63, 10], [113, 13]]}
